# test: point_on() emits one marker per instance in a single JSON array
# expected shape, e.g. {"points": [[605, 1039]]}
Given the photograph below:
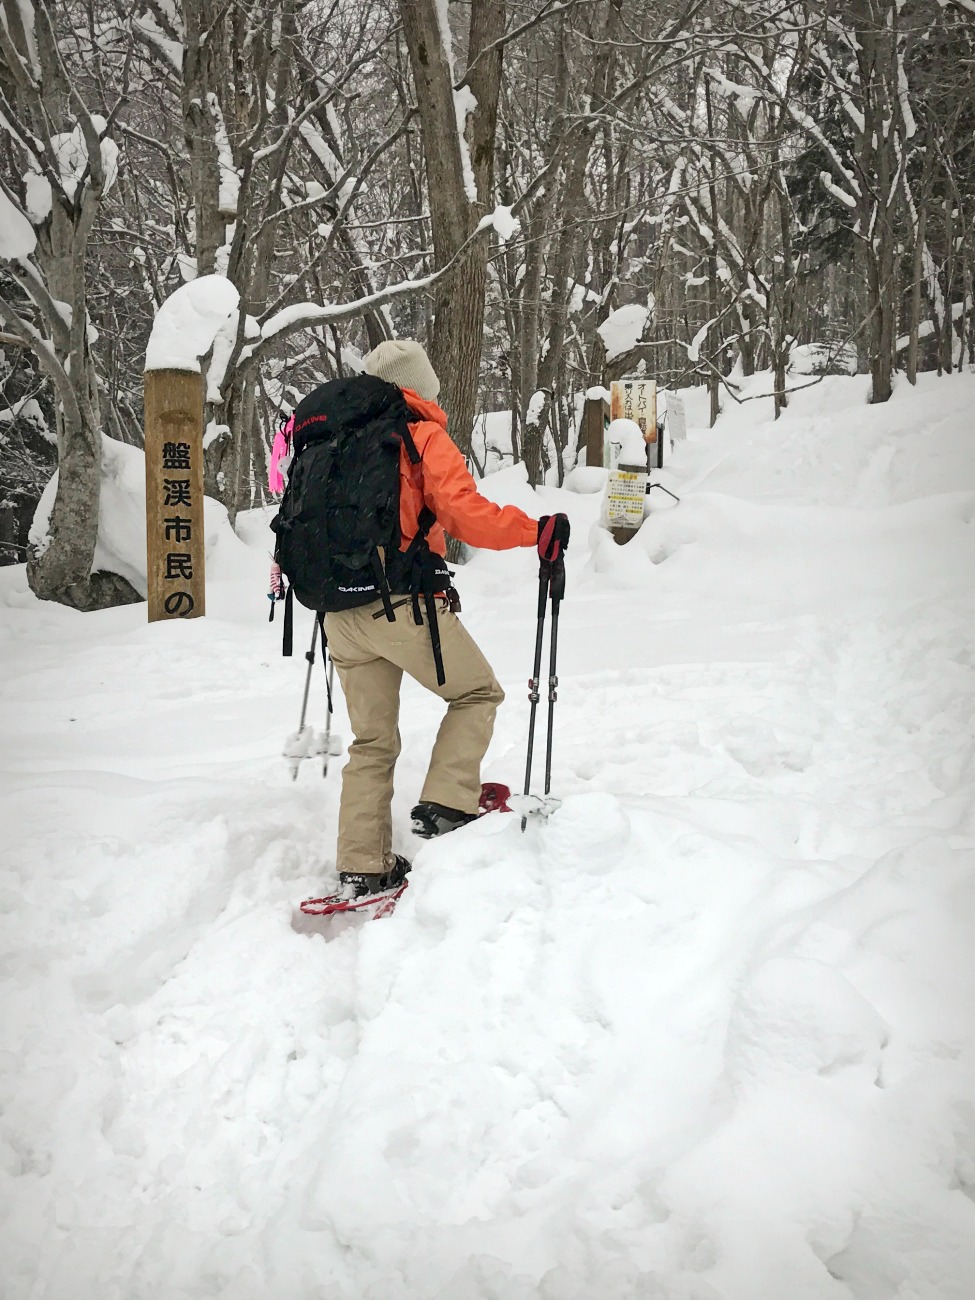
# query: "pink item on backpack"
{"points": [[280, 451]]}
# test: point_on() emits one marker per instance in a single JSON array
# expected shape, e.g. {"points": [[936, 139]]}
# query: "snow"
{"points": [[465, 104], [17, 238], [814, 358], [705, 1034], [694, 347], [71, 156], [188, 322], [121, 543], [627, 446], [623, 329], [229, 192], [503, 223], [38, 198], [828, 183], [742, 96]]}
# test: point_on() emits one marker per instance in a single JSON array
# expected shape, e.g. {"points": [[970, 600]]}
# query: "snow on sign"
{"points": [[625, 495], [174, 494]]}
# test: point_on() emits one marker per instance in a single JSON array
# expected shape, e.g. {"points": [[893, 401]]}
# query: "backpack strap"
{"points": [[287, 636], [425, 522], [379, 573], [413, 455], [434, 626]]}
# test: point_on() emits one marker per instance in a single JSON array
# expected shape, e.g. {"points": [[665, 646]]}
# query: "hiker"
{"points": [[425, 638]]}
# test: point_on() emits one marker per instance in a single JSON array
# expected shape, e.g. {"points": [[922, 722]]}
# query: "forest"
{"points": [[691, 190]]}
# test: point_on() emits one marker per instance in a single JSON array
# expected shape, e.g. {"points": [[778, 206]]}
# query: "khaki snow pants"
{"points": [[371, 655]]}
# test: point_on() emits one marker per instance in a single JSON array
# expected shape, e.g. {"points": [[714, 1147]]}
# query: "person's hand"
{"points": [[553, 537]]}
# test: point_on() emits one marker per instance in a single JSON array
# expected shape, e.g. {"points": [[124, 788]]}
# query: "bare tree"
{"points": [[67, 161]]}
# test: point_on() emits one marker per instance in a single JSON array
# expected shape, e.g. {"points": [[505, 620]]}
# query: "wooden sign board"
{"points": [[174, 494], [636, 399]]}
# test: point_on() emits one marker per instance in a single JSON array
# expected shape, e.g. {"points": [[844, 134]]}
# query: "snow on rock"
{"points": [[623, 329], [188, 322], [705, 1033]]}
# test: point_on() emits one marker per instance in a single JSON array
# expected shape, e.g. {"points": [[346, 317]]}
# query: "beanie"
{"points": [[403, 362]]}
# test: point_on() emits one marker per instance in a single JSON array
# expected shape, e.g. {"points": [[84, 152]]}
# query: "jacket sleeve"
{"points": [[451, 493]]}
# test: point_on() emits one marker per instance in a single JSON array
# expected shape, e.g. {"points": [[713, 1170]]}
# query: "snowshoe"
{"points": [[372, 895]]}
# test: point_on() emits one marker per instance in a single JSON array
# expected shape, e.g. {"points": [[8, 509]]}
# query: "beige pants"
{"points": [[371, 655]]}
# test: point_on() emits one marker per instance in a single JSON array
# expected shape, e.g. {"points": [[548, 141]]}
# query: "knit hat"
{"points": [[403, 362]]}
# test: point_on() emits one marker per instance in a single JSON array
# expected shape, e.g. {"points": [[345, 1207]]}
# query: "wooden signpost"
{"points": [[594, 419], [174, 494]]}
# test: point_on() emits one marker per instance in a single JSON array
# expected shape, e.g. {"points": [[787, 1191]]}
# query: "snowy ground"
{"points": [[706, 1035]]}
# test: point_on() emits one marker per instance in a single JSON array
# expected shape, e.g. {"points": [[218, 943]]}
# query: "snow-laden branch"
{"points": [[307, 314]]}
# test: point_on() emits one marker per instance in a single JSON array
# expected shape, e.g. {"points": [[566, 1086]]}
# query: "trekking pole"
{"points": [[544, 578], [557, 592], [327, 744], [297, 746], [310, 656]]}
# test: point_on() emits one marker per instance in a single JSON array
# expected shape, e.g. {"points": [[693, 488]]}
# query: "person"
{"points": [[371, 654]]}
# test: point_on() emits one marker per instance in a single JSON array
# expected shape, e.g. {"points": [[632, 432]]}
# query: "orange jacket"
{"points": [[444, 484]]}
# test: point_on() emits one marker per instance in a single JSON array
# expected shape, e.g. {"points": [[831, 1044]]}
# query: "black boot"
{"points": [[433, 819], [357, 884]]}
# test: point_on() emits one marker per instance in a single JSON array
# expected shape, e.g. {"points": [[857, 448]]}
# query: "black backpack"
{"points": [[338, 530]]}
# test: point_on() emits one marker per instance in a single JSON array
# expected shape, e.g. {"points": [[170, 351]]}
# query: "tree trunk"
{"points": [[917, 272], [60, 567], [458, 301], [714, 381]]}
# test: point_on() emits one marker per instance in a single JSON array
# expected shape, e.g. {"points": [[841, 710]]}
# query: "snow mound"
{"points": [[705, 1033]]}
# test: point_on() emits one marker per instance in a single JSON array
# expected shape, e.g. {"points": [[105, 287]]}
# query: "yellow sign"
{"points": [[625, 494]]}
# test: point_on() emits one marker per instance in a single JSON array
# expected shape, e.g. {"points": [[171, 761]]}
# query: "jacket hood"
{"points": [[425, 410]]}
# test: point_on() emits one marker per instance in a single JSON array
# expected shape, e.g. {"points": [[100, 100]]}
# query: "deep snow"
{"points": [[705, 1035]]}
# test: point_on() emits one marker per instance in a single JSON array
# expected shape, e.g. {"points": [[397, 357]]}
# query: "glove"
{"points": [[553, 537]]}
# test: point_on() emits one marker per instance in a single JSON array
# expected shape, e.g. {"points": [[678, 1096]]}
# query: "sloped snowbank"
{"points": [[704, 1035]]}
